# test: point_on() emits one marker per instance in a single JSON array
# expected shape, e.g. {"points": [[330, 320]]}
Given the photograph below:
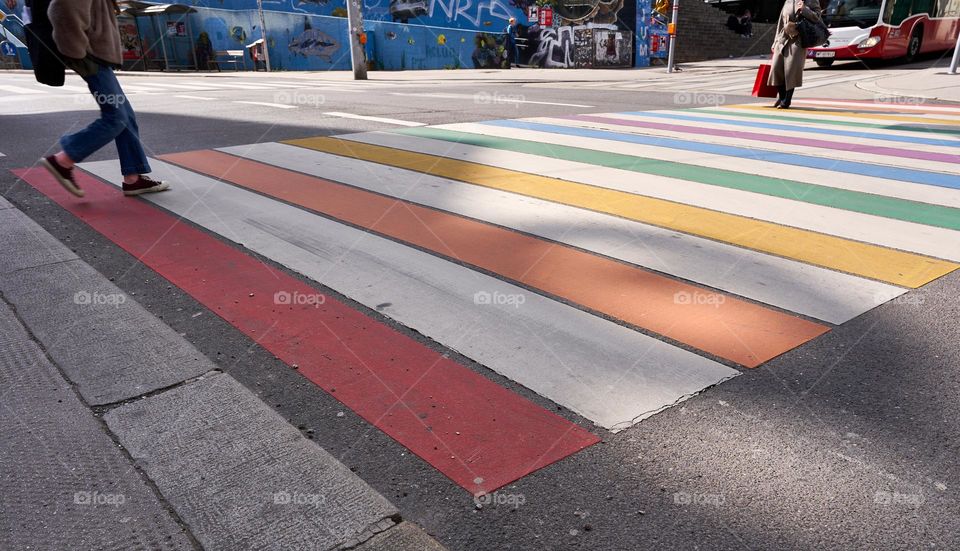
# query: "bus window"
{"points": [[849, 13]]}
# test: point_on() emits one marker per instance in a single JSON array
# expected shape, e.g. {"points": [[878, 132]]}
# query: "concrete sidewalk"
{"points": [[117, 433]]}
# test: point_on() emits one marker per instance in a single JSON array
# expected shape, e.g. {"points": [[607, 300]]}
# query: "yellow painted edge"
{"points": [[899, 118], [873, 261]]}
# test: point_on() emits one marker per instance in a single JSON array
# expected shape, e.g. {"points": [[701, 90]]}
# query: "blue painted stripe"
{"points": [[833, 165], [791, 128]]}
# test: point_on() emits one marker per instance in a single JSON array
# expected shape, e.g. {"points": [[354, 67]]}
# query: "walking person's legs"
{"points": [[117, 123]]}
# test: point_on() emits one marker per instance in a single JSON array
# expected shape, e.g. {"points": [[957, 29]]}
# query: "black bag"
{"points": [[812, 33], [47, 62]]}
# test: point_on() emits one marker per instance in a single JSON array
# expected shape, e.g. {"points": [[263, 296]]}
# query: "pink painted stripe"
{"points": [[806, 142]]}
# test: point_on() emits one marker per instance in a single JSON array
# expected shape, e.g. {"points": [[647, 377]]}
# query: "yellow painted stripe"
{"points": [[848, 114], [889, 265]]}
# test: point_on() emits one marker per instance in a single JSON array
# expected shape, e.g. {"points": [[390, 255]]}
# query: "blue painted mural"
{"points": [[406, 34]]}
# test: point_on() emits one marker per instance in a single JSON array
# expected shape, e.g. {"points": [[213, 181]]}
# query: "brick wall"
{"points": [[702, 34]]}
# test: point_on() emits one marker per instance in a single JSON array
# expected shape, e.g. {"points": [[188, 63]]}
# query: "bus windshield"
{"points": [[853, 13]]}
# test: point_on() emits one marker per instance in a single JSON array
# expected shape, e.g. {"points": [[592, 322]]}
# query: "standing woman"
{"points": [[788, 55]]}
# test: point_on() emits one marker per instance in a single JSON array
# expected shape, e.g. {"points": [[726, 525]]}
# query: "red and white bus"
{"points": [[887, 29]]}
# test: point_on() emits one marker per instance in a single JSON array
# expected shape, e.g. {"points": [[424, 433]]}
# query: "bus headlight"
{"points": [[869, 42]]}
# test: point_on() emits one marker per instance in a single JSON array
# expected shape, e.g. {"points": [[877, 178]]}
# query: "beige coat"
{"points": [[788, 56], [86, 27]]}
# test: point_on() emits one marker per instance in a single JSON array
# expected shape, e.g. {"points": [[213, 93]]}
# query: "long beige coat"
{"points": [[788, 56]]}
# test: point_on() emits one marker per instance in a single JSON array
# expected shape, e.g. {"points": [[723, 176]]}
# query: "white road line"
{"points": [[486, 98], [374, 119], [184, 96], [267, 104], [606, 372], [21, 90], [892, 105]]}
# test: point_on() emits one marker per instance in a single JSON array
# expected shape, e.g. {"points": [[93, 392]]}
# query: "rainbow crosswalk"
{"points": [[615, 264]]}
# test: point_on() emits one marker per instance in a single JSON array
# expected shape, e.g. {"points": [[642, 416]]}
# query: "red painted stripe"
{"points": [[474, 431]]}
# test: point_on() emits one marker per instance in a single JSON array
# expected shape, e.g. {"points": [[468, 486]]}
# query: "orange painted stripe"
{"points": [[724, 326]]}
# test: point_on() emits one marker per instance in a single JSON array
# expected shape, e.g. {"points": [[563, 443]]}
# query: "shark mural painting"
{"points": [[313, 42]]}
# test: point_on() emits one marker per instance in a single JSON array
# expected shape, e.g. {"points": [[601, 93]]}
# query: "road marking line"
{"points": [[824, 119], [608, 373], [21, 90], [940, 179], [892, 105], [892, 266], [373, 119], [870, 116], [268, 104], [204, 98], [809, 290], [479, 434], [920, 159], [486, 98], [728, 327]]}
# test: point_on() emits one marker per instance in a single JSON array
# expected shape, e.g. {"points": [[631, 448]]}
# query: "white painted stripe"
{"points": [[268, 104], [161, 87], [892, 105], [897, 234], [809, 122], [202, 98], [373, 119], [802, 288], [77, 89], [728, 124], [860, 118], [484, 98], [763, 145], [21, 90], [603, 371]]}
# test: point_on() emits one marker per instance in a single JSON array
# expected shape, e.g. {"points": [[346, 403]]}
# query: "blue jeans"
{"points": [[117, 123]]}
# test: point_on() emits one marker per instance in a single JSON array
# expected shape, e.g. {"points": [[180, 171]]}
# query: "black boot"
{"points": [[788, 97], [781, 94]]}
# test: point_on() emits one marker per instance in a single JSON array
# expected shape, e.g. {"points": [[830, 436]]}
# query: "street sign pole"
{"points": [[358, 39], [672, 30], [263, 35], [956, 57]]}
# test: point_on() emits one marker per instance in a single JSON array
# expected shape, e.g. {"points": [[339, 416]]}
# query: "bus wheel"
{"points": [[913, 47], [824, 62]]}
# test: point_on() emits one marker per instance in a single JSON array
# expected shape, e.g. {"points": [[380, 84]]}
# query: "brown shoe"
{"points": [[144, 184], [62, 175]]}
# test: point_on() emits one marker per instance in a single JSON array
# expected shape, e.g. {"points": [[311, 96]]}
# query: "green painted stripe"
{"points": [[855, 201], [904, 127]]}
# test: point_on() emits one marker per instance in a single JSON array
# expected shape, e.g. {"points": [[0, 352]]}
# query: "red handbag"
{"points": [[760, 87]]}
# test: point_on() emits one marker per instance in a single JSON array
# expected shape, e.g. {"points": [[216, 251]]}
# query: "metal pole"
{"points": [[263, 35], [358, 58], [672, 29], [956, 57]]}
